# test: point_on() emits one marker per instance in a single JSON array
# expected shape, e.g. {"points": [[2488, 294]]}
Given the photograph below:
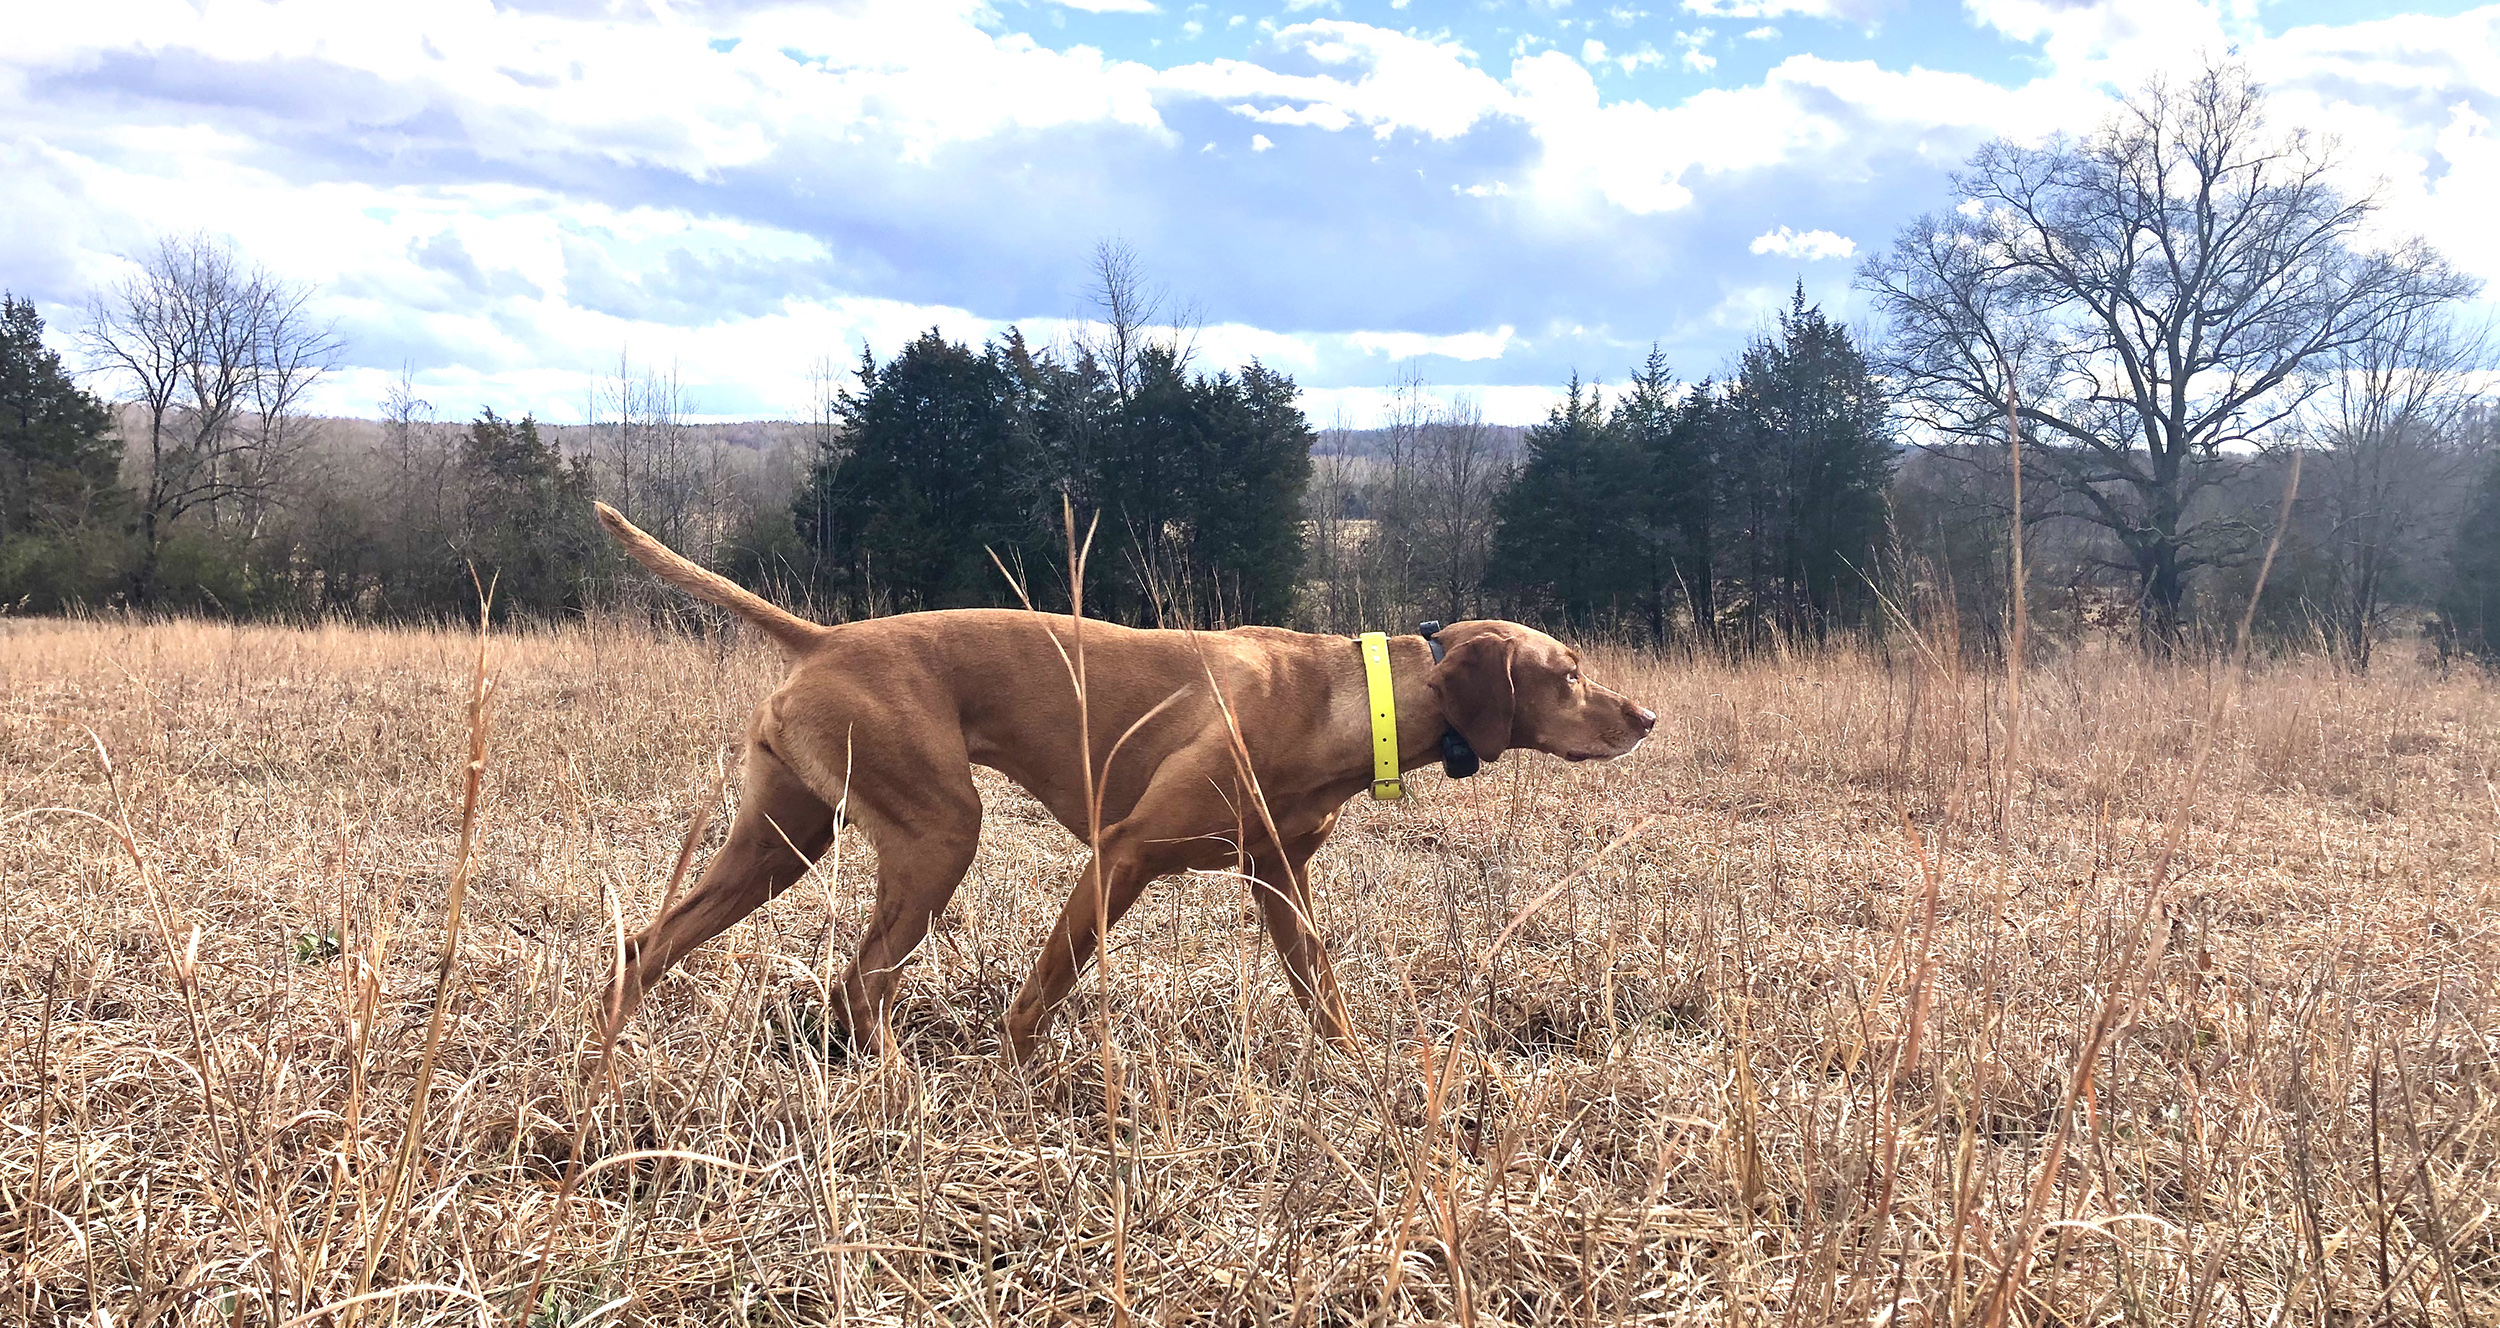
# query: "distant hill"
{"points": [[1370, 443]]}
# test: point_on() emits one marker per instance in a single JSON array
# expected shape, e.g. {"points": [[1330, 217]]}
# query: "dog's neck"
{"points": [[1420, 721]]}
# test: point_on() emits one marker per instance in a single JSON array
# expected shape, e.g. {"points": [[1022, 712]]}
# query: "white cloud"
{"points": [[1226, 344], [1369, 407], [452, 195], [1459, 346], [1694, 58], [1593, 51], [2115, 42], [1638, 157], [1391, 80], [1633, 61], [1764, 33], [1318, 115], [1762, 8], [1807, 245], [1110, 6], [2409, 102]]}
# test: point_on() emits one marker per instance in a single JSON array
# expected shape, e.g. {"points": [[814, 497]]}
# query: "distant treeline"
{"points": [[945, 476], [2168, 319]]}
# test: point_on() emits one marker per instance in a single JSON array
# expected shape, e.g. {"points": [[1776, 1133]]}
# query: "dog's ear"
{"points": [[1477, 694]]}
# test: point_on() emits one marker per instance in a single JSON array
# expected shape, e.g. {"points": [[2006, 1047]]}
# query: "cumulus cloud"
{"points": [[1807, 245], [1694, 58], [1318, 116], [2412, 100], [1240, 343], [1388, 81], [2116, 42], [1765, 8], [508, 194], [1460, 346]]}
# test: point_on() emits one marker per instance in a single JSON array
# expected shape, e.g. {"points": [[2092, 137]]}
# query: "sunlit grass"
{"points": [[1680, 1094]]}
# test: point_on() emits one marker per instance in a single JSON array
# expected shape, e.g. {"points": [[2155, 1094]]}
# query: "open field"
{"points": [[1803, 1051]]}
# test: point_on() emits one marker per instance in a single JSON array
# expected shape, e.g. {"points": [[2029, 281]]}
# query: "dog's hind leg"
{"points": [[926, 827], [781, 828]]}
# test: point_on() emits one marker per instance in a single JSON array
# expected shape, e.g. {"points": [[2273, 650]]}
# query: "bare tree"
{"points": [[422, 496], [2387, 452], [1397, 498], [1128, 310], [1424, 488], [2171, 287], [1130, 313], [1331, 501], [653, 468], [217, 359], [1460, 469], [824, 449]]}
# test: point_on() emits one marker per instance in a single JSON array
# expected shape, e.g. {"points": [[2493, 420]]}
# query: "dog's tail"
{"points": [[792, 631]]}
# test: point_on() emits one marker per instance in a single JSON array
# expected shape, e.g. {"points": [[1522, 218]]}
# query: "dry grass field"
{"points": [[1874, 1022]]}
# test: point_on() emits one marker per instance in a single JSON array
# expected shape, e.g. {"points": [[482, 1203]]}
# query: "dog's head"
{"points": [[1503, 685]]}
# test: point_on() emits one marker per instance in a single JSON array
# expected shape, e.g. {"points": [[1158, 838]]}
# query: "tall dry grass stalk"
{"points": [[1800, 1051]]}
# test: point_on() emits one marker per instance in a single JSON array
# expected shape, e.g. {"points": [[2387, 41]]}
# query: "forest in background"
{"points": [[2170, 318]]}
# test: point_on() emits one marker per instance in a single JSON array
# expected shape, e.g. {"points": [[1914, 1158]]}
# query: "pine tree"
{"points": [[60, 494], [527, 522], [933, 479], [1805, 463], [1244, 504], [1560, 547], [1147, 465], [1666, 547], [2469, 613]]}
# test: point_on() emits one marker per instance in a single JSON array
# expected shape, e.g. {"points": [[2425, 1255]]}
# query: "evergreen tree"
{"points": [[1560, 547], [60, 465], [1804, 464], [1709, 422], [1243, 503], [934, 477], [1145, 465], [1199, 482], [527, 522], [1666, 547], [2469, 612]]}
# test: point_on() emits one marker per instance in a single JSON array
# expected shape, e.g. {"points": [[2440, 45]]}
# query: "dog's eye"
{"points": [[1572, 677]]}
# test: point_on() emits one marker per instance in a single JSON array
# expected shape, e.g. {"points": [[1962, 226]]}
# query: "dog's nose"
{"points": [[1645, 718]]}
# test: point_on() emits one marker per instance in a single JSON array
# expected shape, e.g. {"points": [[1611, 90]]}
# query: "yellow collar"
{"points": [[1386, 786]]}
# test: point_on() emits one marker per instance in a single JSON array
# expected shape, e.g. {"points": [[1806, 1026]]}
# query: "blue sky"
{"points": [[1493, 195]]}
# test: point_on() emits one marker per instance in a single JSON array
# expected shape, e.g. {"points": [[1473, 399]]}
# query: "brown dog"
{"points": [[885, 718]]}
